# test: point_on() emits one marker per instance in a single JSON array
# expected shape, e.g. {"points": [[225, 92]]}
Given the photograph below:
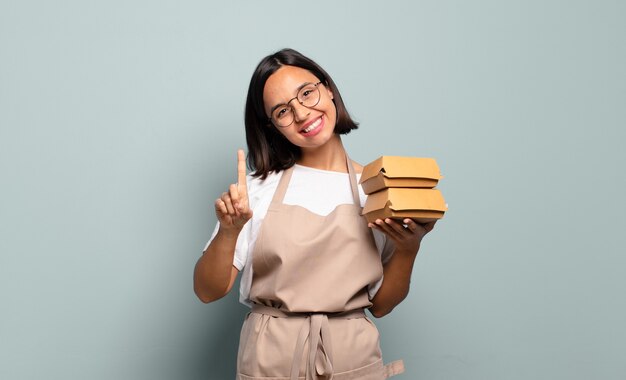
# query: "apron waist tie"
{"points": [[317, 331]]}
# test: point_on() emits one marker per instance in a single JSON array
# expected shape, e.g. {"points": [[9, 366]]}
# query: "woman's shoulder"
{"points": [[256, 184], [261, 191]]}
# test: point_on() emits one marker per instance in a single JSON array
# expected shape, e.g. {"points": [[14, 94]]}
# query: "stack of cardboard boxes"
{"points": [[402, 187]]}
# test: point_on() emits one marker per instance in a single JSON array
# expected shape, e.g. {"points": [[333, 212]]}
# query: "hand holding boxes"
{"points": [[402, 187]]}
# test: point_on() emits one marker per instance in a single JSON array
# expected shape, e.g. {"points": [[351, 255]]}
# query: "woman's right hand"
{"points": [[232, 208]]}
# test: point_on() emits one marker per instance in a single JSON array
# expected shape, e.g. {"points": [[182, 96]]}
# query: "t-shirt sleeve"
{"points": [[241, 248], [385, 249]]}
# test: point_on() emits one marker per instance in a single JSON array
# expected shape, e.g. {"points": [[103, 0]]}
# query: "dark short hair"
{"points": [[268, 149]]}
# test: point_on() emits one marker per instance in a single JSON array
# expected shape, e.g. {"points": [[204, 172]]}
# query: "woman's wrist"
{"points": [[407, 252], [229, 233]]}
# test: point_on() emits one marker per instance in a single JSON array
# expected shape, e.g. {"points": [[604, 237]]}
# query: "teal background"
{"points": [[119, 123]]}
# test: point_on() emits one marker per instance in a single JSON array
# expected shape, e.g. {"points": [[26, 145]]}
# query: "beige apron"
{"points": [[309, 288]]}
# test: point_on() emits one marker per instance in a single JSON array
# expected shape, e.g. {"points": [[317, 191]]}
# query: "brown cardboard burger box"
{"points": [[394, 171], [402, 187], [421, 205]]}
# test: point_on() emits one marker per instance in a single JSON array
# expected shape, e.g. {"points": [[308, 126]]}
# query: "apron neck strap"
{"points": [[353, 183], [279, 195]]}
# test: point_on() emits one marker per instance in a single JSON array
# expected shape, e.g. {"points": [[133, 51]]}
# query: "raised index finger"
{"points": [[241, 171]]}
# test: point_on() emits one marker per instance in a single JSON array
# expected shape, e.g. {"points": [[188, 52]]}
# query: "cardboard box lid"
{"points": [[406, 199], [402, 167]]}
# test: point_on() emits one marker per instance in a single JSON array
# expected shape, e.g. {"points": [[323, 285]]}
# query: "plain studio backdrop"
{"points": [[120, 122]]}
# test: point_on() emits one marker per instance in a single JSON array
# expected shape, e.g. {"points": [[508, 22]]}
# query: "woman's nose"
{"points": [[300, 112]]}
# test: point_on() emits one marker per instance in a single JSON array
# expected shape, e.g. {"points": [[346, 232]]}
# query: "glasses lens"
{"points": [[309, 95], [283, 116]]}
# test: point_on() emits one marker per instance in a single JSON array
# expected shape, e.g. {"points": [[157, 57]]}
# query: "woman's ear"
{"points": [[330, 92]]}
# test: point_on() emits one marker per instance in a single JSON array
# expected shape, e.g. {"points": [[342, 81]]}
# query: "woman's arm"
{"points": [[214, 273], [397, 271]]}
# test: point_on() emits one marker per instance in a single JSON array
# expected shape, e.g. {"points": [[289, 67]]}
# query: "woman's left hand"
{"points": [[406, 239]]}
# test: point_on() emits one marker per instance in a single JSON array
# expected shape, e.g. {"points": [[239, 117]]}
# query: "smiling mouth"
{"points": [[312, 126]]}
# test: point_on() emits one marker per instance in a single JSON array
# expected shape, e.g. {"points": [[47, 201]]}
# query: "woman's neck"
{"points": [[331, 156]]}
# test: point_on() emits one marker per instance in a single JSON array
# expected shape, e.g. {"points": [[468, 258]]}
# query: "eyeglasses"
{"points": [[308, 96]]}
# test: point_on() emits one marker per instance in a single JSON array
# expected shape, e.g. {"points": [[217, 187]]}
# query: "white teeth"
{"points": [[312, 126]]}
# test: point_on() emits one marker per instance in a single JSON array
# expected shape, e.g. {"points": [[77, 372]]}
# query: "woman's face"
{"points": [[312, 126]]}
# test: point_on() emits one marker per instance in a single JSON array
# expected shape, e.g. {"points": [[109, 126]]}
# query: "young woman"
{"points": [[310, 262]]}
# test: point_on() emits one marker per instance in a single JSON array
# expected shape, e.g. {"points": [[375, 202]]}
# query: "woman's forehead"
{"points": [[284, 83]]}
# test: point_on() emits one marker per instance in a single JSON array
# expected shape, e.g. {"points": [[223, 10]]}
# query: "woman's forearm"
{"points": [[214, 273], [396, 282]]}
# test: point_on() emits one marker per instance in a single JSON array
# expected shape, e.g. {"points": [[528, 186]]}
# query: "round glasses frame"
{"points": [[300, 98]]}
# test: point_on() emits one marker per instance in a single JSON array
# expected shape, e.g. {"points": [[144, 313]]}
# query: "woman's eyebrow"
{"points": [[297, 90]]}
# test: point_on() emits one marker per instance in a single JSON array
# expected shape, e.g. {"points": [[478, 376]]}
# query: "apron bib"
{"points": [[309, 288]]}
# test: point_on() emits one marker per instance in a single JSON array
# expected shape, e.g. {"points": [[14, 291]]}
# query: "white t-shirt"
{"points": [[319, 191]]}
